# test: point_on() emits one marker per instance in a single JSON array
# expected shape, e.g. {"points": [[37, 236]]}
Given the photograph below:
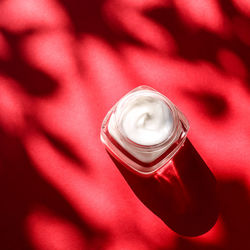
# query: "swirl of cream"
{"points": [[147, 120]]}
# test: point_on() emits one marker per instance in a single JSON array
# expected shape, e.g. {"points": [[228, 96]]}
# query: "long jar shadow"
{"points": [[183, 193]]}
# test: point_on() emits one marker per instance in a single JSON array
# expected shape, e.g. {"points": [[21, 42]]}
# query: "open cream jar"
{"points": [[144, 130]]}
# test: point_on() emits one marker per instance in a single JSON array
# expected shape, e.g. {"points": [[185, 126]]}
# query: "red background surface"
{"points": [[63, 64]]}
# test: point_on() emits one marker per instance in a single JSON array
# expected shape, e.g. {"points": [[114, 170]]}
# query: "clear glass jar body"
{"points": [[144, 160]]}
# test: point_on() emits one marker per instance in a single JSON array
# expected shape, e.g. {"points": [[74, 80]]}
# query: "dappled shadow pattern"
{"points": [[211, 104], [32, 80], [23, 189], [189, 187], [59, 143], [202, 44], [88, 17]]}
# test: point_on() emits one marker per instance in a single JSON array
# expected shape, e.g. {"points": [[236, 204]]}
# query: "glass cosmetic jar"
{"points": [[144, 130]]}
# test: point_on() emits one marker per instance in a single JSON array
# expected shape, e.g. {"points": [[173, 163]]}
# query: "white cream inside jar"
{"points": [[145, 119]]}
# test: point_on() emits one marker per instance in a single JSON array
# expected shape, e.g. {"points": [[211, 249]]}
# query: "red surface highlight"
{"points": [[49, 232], [198, 13]]}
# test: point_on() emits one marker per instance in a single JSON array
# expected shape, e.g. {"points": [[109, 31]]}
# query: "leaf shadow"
{"points": [[33, 81], [23, 189], [201, 44]]}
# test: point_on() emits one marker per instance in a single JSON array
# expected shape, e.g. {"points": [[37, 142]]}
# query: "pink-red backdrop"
{"points": [[63, 64]]}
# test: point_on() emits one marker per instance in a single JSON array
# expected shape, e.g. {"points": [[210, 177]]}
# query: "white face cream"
{"points": [[144, 130], [147, 120]]}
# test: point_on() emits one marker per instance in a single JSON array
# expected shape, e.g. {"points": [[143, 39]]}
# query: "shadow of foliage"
{"points": [[22, 188], [32, 80]]}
